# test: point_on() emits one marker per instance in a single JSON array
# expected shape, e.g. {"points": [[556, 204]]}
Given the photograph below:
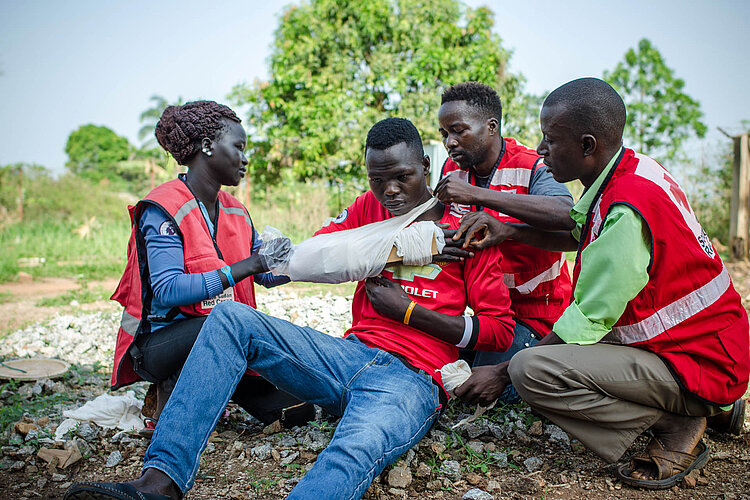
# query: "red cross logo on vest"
{"points": [[677, 192]]}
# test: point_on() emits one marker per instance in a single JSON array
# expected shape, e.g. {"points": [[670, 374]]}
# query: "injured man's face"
{"points": [[397, 177]]}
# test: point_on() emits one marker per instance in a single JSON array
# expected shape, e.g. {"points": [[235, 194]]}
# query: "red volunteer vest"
{"points": [[538, 280], [234, 242], [688, 313]]}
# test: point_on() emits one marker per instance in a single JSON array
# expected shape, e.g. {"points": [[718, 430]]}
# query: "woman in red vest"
{"points": [[192, 247]]}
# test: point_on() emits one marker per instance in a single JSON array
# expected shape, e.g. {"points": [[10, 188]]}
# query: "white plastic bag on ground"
{"points": [[122, 412], [355, 254]]}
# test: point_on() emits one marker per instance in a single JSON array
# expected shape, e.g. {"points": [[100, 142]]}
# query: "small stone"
{"points": [[41, 482], [262, 452], [477, 428], [237, 449], [500, 458], [25, 451], [210, 448], [57, 478], [399, 477], [423, 470], [691, 480], [397, 492], [290, 458], [24, 391], [434, 485], [497, 431], [451, 468], [556, 435], [24, 428], [275, 455], [473, 478], [87, 431], [536, 428], [273, 428], [113, 459], [18, 465], [32, 434], [493, 485], [532, 464], [490, 447], [437, 448], [476, 446], [438, 436], [477, 494], [37, 389], [42, 421], [408, 458]]}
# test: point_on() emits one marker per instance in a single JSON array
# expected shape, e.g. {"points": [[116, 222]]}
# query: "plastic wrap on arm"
{"points": [[276, 250]]}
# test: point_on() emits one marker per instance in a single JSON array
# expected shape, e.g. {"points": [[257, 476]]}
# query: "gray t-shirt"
{"points": [[543, 184]]}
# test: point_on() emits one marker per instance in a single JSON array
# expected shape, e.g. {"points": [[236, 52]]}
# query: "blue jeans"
{"points": [[523, 337], [385, 407]]}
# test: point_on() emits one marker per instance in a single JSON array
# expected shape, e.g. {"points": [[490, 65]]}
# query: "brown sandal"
{"points": [[671, 466]]}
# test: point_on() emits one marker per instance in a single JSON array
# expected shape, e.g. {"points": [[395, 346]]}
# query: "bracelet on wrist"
{"points": [[409, 310], [228, 273]]}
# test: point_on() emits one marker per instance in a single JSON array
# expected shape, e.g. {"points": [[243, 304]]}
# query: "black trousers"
{"points": [[159, 357]]}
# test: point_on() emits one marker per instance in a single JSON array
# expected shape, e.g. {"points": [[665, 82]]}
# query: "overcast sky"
{"points": [[65, 64]]}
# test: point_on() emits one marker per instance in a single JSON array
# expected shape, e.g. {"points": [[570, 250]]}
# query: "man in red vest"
{"points": [[656, 337], [486, 172]]}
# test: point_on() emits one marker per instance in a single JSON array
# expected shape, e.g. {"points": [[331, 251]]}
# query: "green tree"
{"points": [[338, 66], [94, 152], [660, 115]]}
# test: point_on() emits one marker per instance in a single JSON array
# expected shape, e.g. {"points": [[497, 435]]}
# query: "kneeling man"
{"points": [[381, 377], [656, 337]]}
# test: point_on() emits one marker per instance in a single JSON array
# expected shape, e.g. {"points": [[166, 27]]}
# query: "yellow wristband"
{"points": [[409, 310]]}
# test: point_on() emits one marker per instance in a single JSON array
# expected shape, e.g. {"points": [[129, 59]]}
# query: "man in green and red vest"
{"points": [[656, 337], [497, 175]]}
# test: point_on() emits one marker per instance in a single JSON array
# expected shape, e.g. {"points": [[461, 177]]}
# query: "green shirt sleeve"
{"points": [[614, 269]]}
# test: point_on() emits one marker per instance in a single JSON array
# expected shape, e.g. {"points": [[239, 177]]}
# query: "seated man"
{"points": [[656, 337], [381, 378]]}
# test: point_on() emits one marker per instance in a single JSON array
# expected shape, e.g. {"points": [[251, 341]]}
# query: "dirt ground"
{"points": [[231, 469]]}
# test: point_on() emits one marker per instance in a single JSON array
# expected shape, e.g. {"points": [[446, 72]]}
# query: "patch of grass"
{"points": [[83, 295], [100, 255], [6, 297], [14, 406]]}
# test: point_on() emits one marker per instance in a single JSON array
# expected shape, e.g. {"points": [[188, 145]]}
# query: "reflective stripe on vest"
{"points": [[129, 323], [513, 177], [530, 285], [185, 209], [673, 314], [235, 211], [190, 205]]}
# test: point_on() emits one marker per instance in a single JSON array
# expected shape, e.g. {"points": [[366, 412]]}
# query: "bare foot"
{"points": [[675, 433], [155, 481]]}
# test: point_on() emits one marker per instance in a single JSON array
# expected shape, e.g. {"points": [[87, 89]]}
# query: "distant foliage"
{"points": [[661, 116], [93, 152], [338, 66]]}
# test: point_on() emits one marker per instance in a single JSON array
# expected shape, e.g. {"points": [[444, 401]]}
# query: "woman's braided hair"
{"points": [[181, 128]]}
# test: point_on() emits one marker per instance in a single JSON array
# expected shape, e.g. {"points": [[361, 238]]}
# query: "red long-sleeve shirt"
{"points": [[446, 288]]}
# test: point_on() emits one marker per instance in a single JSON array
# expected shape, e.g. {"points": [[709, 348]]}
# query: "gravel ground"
{"points": [[508, 453]]}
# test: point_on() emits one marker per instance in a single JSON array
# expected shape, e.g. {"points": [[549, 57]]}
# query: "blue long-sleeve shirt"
{"points": [[171, 285]]}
